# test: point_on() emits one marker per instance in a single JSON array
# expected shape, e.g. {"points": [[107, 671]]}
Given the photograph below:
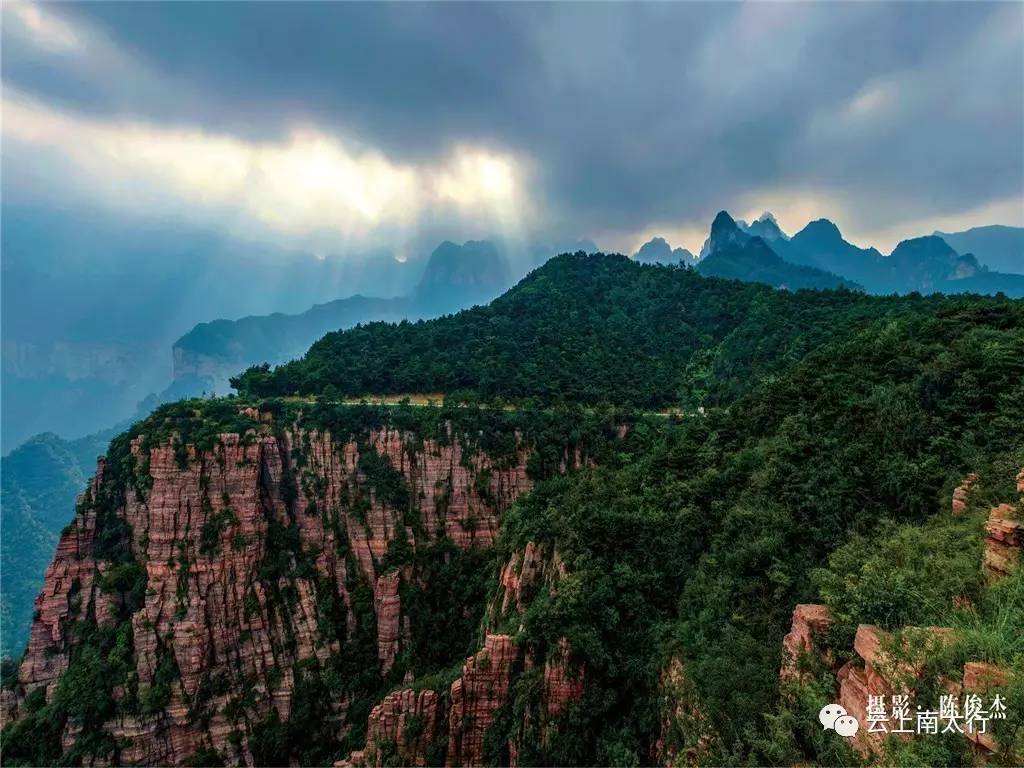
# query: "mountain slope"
{"points": [[755, 261], [588, 329], [296, 580], [210, 349], [455, 276], [998, 247]]}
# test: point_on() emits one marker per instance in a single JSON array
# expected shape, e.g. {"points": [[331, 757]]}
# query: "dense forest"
{"points": [[782, 448], [595, 329]]}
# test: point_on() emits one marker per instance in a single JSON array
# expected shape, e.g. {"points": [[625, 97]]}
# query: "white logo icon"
{"points": [[835, 717]]}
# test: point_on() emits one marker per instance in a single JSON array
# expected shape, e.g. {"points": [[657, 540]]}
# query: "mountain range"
{"points": [[654, 504], [459, 276], [985, 260], [456, 276]]}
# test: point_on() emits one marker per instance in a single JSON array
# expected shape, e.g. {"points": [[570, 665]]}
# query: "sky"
{"points": [[341, 129]]}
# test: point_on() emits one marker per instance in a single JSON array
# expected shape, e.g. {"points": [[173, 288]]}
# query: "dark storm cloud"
{"points": [[631, 114]]}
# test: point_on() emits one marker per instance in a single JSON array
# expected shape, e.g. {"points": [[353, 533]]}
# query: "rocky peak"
{"points": [[810, 623], [930, 260], [724, 232], [766, 227], [1004, 541], [658, 251], [959, 503], [821, 232]]}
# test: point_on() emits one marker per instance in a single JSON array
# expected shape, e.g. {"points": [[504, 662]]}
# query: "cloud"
{"points": [[610, 121], [44, 29], [311, 187]]}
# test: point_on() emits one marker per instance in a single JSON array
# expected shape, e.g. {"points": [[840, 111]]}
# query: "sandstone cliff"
{"points": [[265, 571], [469, 706]]}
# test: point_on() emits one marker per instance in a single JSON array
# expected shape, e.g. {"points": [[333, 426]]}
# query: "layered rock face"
{"points": [[810, 621], [476, 697], [404, 725], [244, 547], [469, 706], [1004, 539], [959, 503]]}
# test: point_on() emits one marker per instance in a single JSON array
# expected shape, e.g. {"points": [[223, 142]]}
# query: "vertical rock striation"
{"points": [[242, 546], [1004, 539], [476, 697], [810, 622]]}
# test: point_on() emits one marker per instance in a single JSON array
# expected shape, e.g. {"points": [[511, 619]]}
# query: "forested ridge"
{"points": [[596, 329], [834, 426]]}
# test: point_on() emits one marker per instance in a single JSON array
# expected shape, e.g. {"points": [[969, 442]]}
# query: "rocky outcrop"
{"points": [[810, 621], [959, 503], [243, 545], [403, 726], [476, 697], [878, 671], [388, 606], [980, 678], [1004, 539], [66, 594]]}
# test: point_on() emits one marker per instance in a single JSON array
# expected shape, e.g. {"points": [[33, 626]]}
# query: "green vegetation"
{"points": [[835, 427], [39, 482], [593, 329]]}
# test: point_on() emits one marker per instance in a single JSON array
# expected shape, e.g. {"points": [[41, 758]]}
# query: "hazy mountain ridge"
{"points": [[458, 276], [924, 264], [732, 252], [996, 246], [41, 479], [455, 276]]}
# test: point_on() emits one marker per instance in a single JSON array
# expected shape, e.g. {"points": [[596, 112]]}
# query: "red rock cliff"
{"points": [[210, 528]]}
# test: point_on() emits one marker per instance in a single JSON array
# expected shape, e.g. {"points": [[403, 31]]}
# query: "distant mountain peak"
{"points": [[754, 260], [724, 232], [822, 230], [462, 275], [658, 251], [932, 245], [474, 263], [723, 222], [765, 227], [929, 261]]}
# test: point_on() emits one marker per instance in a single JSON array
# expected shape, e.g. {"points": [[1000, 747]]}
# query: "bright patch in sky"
{"points": [[308, 184], [46, 30]]}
